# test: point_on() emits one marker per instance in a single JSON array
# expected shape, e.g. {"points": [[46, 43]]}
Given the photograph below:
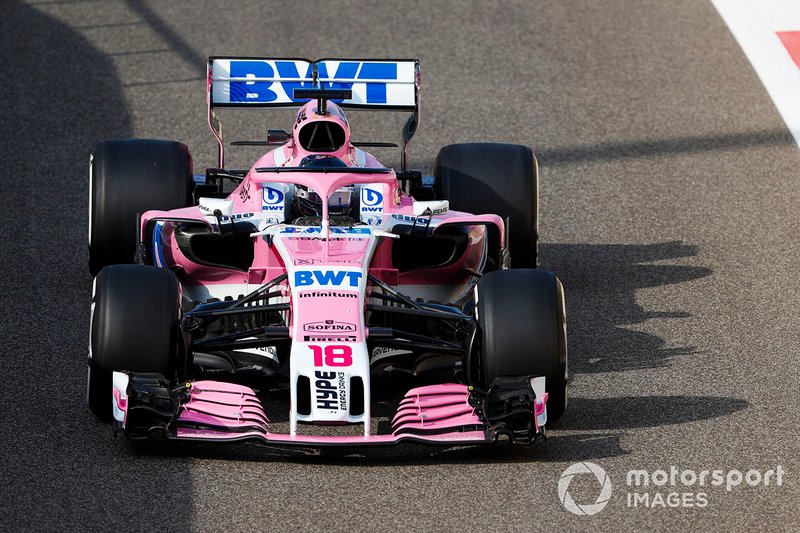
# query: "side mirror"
{"points": [[436, 207], [410, 128], [210, 206], [277, 136]]}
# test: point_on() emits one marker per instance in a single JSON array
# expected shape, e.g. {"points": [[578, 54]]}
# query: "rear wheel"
{"points": [[135, 326], [501, 179], [127, 177], [521, 331]]}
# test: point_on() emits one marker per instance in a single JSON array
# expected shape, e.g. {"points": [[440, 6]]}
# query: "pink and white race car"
{"points": [[269, 311]]}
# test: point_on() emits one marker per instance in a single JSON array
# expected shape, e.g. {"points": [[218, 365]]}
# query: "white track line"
{"points": [[755, 24]]}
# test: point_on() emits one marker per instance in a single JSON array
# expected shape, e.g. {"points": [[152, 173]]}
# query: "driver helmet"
{"points": [[309, 204]]}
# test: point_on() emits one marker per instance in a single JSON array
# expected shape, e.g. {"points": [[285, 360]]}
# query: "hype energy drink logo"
{"points": [[273, 81]]}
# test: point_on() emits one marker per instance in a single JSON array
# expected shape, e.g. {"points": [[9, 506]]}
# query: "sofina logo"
{"points": [[584, 509]]}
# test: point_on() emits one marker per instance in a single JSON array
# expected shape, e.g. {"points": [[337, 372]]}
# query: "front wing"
{"points": [[446, 414]]}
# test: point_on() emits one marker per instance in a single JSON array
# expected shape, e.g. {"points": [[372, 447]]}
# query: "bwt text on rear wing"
{"points": [[377, 84]]}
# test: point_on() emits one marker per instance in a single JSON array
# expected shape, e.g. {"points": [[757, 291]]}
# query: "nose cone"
{"points": [[314, 133]]}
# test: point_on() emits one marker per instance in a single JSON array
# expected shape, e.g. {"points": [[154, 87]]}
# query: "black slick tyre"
{"points": [[521, 331], [501, 179], [135, 326], [127, 177]]}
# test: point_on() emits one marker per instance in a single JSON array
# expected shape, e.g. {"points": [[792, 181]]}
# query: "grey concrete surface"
{"points": [[669, 194]]}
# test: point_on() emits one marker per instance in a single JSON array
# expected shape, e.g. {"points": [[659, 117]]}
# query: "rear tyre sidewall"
{"points": [[494, 178], [128, 177]]}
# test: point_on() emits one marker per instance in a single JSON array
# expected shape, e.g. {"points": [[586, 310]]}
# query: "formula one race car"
{"points": [[321, 273]]}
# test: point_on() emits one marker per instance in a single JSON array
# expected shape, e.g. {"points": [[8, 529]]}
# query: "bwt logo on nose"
{"points": [[264, 91], [304, 278]]}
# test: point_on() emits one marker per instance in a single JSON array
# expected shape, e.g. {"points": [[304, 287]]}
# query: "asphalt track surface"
{"points": [[669, 194]]}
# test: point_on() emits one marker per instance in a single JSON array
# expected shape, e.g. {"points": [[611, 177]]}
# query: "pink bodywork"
{"points": [[267, 264], [223, 411]]}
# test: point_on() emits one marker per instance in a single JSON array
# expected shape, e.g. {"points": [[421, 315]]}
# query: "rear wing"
{"points": [[377, 84]]}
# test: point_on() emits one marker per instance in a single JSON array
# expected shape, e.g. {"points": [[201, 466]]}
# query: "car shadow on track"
{"points": [[677, 145], [630, 412], [600, 282], [62, 470], [556, 448]]}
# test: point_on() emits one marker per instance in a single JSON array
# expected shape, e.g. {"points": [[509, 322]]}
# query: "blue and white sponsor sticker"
{"points": [[372, 201], [273, 200], [273, 81]]}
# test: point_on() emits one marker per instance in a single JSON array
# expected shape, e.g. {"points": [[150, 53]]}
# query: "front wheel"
{"points": [[521, 331], [135, 326]]}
